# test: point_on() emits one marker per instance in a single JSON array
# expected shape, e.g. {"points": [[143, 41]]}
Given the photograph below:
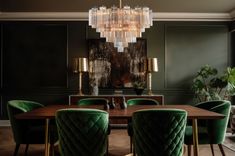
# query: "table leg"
{"points": [[47, 145], [195, 137]]}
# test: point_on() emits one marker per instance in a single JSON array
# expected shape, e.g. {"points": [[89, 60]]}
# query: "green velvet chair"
{"points": [[93, 101], [82, 132], [159, 132], [27, 131], [210, 131], [141, 101], [137, 101]]}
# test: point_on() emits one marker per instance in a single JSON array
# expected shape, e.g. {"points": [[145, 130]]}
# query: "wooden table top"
{"points": [[117, 113]]}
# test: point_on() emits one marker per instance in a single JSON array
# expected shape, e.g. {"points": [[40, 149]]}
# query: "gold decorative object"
{"points": [[152, 67], [120, 25], [80, 65]]}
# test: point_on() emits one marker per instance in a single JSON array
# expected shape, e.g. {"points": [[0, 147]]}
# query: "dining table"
{"points": [[193, 113]]}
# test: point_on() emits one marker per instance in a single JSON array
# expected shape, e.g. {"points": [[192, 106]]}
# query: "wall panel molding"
{"points": [[232, 14], [188, 47], [35, 55]]}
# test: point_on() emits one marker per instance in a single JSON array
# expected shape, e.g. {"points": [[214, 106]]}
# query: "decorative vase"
{"points": [[139, 91], [95, 90]]}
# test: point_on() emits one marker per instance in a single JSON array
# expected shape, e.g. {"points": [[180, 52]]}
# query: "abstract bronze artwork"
{"points": [[111, 69]]}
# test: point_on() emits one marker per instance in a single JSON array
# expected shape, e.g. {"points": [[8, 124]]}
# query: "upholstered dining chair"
{"points": [[137, 101], [27, 131], [93, 101], [141, 101], [159, 132], [82, 132], [210, 131]]}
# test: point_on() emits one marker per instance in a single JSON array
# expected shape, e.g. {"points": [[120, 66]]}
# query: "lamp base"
{"points": [[80, 92], [150, 92]]}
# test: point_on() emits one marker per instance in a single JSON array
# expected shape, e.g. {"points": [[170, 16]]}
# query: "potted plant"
{"points": [[208, 85], [139, 87]]}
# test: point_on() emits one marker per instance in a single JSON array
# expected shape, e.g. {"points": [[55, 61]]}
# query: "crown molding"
{"points": [[188, 16], [83, 16], [43, 16], [232, 14]]}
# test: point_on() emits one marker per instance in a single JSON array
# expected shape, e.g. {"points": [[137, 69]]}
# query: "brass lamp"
{"points": [[152, 67], [80, 66]]}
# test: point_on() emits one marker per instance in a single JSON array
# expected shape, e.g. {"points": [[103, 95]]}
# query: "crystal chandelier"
{"points": [[120, 25]]}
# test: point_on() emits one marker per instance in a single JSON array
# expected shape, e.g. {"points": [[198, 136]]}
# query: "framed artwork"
{"points": [[111, 69]]}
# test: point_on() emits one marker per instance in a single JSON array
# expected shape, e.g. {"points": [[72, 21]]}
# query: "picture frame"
{"points": [[111, 69]]}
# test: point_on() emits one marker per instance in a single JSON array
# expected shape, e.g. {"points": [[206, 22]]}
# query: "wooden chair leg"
{"points": [[212, 149], [16, 149], [221, 149], [189, 150], [134, 154], [133, 147], [107, 150], [131, 144], [26, 150], [52, 149]]}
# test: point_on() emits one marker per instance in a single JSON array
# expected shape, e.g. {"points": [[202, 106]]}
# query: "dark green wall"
{"points": [[181, 48], [232, 30]]}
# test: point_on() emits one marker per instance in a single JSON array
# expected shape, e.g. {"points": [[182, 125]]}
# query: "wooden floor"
{"points": [[118, 145]]}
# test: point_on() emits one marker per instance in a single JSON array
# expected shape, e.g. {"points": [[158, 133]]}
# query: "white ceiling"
{"points": [[214, 8]]}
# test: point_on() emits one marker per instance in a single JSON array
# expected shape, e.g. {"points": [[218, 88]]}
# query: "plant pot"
{"points": [[139, 91]]}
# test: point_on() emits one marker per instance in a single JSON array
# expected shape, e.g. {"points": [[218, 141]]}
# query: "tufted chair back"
{"points": [[82, 132], [210, 131], [137, 101], [28, 131], [20, 127], [159, 132], [93, 101], [141, 101]]}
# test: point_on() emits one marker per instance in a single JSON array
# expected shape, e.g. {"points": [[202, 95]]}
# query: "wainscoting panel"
{"points": [[34, 55], [33, 62]]}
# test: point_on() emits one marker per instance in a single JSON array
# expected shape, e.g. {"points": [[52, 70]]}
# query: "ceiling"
{"points": [[194, 6], [168, 10]]}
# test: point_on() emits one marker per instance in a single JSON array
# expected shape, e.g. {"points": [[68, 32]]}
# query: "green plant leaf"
{"points": [[218, 83], [231, 75], [231, 89], [208, 86], [198, 85], [207, 71]]}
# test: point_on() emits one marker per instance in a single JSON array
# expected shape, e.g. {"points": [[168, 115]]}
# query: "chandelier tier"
{"points": [[120, 25]]}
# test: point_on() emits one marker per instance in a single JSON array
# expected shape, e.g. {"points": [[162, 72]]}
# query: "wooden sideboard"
{"points": [[73, 99]]}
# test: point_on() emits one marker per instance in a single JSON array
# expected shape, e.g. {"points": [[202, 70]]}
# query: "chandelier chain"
{"points": [[120, 4]]}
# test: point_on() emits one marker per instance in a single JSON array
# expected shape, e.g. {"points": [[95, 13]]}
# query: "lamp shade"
{"points": [[152, 65], [82, 64]]}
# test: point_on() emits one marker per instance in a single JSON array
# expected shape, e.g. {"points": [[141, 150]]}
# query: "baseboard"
{"points": [[5, 123], [118, 126]]}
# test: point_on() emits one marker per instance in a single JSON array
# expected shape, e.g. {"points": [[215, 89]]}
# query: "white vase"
{"points": [[95, 90]]}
